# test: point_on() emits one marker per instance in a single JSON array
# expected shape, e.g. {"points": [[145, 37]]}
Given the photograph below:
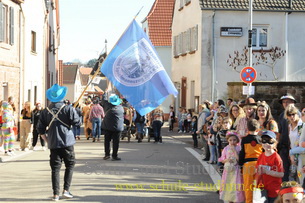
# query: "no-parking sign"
{"points": [[248, 74]]}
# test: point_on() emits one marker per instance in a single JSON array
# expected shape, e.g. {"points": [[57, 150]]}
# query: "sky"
{"points": [[85, 25]]}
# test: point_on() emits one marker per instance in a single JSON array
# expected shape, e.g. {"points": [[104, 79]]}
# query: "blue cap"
{"points": [[56, 93], [114, 99], [270, 134]]}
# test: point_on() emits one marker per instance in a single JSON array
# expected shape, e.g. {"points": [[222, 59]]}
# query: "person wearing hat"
{"points": [[269, 166], [249, 108], [284, 141], [54, 125], [113, 124]]}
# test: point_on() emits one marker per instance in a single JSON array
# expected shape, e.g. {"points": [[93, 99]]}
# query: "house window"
{"points": [[194, 38], [181, 4], [186, 42], [12, 25], [3, 22], [187, 2], [33, 42], [260, 37]]}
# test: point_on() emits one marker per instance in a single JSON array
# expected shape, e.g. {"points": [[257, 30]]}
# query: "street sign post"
{"points": [[248, 74]]}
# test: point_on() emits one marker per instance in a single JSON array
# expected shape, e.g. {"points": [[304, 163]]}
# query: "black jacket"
{"points": [[59, 135], [114, 116]]}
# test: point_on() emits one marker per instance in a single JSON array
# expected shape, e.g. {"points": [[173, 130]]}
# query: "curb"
{"points": [[18, 155]]}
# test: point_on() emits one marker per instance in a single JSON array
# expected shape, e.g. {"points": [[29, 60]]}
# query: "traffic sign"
{"points": [[248, 74]]}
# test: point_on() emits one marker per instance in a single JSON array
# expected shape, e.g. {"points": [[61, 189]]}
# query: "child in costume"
{"points": [[231, 174], [7, 129]]}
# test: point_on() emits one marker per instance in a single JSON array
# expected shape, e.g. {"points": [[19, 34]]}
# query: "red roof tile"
{"points": [[159, 22]]}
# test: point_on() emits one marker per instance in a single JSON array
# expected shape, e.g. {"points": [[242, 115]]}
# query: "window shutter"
{"points": [[196, 38], [11, 25], [1, 23]]}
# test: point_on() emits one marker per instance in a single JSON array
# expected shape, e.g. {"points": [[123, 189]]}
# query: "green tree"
{"points": [[91, 63]]}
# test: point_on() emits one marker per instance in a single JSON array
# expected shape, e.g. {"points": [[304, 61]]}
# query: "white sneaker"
{"points": [[8, 154], [26, 149], [44, 148]]}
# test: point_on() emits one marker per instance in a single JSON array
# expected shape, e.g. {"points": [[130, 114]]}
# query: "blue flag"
{"points": [[136, 71]]}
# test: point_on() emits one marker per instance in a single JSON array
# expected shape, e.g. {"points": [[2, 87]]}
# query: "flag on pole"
{"points": [[135, 69]]}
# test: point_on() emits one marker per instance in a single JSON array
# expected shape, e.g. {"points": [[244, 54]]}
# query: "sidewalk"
{"points": [[18, 154]]}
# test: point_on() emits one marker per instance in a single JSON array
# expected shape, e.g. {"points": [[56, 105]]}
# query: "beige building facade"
{"points": [[203, 72]]}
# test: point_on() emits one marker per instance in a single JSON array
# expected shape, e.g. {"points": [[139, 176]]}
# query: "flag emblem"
{"points": [[137, 64]]}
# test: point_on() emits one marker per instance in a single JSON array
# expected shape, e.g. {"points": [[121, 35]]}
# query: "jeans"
{"points": [[194, 135], [181, 125], [140, 127], [35, 138], [56, 157], [76, 130], [115, 137], [205, 146], [171, 124], [96, 127], [157, 130], [212, 153]]}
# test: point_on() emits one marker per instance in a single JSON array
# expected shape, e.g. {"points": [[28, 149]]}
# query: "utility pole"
{"points": [[250, 32]]}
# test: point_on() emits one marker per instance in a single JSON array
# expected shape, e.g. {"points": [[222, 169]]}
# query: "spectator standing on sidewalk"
{"points": [[7, 128], [194, 131], [236, 113], [1, 136], [202, 128], [113, 124], [251, 149], [34, 119], [25, 127], [284, 141], [96, 115], [231, 173], [172, 119], [179, 114], [56, 121]]}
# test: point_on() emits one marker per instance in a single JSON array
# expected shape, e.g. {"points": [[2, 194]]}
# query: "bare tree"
{"points": [[267, 58]]}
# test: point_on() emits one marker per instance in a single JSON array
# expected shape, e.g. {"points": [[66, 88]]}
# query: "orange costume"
{"points": [[251, 149]]}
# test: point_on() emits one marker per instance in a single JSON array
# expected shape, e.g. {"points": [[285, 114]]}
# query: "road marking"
{"points": [[210, 169]]}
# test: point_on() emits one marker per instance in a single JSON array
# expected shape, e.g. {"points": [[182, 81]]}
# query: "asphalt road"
{"points": [[148, 173]]}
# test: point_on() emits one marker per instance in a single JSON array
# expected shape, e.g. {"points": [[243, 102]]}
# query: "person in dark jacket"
{"points": [[140, 122], [113, 124], [284, 141], [54, 126], [34, 120]]}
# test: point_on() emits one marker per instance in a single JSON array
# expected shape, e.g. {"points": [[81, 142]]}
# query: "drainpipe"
{"points": [[213, 59], [22, 59], [286, 47]]}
